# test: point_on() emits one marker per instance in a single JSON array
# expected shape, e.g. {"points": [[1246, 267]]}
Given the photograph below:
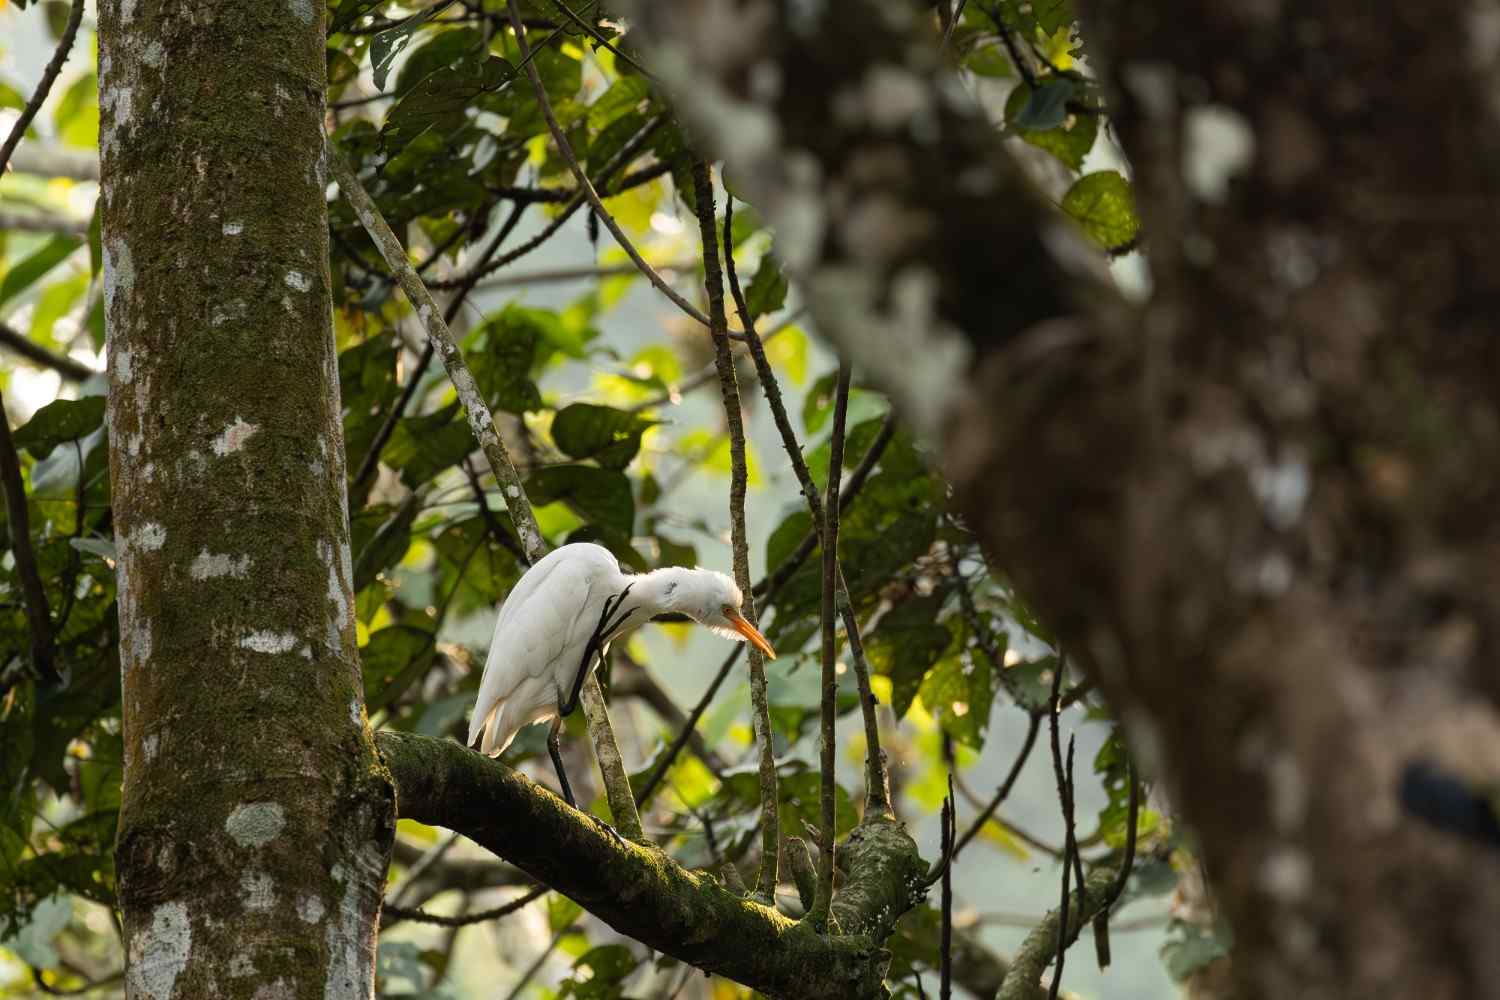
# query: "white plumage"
{"points": [[547, 621]]}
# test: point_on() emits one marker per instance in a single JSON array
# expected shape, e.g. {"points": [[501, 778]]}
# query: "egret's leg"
{"points": [[554, 747]]}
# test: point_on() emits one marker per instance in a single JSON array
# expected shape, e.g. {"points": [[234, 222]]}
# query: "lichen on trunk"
{"points": [[256, 824]]}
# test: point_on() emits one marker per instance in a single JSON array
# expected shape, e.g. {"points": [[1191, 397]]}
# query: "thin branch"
{"points": [[710, 372], [574, 202], [945, 954], [877, 782], [421, 916], [38, 617], [638, 682], [32, 222], [575, 274], [1005, 786], [584, 185], [1070, 853], [368, 464], [491, 524], [44, 86], [537, 963], [827, 746], [66, 367], [56, 161], [689, 727], [1037, 950], [598, 36], [1101, 921], [713, 281]]}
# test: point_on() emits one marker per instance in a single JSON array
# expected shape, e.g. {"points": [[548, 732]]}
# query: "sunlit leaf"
{"points": [[1104, 204]]}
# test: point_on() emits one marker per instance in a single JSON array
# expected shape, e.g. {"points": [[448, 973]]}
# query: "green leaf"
{"points": [[610, 437], [27, 271], [422, 447], [599, 495], [10, 97], [959, 691], [989, 60], [767, 291], [1044, 106], [1104, 204], [1069, 140], [817, 405], [502, 364], [388, 44], [60, 421], [386, 547], [77, 116], [787, 536], [1192, 948], [391, 660], [623, 96], [906, 643], [55, 302], [441, 100]]}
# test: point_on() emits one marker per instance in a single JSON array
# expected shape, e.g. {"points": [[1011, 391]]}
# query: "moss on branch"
{"points": [[641, 892]]}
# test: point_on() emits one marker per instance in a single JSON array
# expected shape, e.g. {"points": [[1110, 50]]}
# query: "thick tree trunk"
{"points": [[257, 820], [1262, 508]]}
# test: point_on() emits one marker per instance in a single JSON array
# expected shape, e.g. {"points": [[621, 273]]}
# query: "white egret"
{"points": [[557, 621]]}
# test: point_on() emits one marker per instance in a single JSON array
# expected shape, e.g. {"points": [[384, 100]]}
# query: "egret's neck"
{"points": [[661, 591]]}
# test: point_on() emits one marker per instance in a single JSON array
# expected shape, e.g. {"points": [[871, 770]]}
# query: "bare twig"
{"points": [[44, 86], [689, 727], [713, 280], [66, 367], [584, 185], [945, 956], [828, 749], [1101, 920], [877, 783], [1063, 772], [38, 616], [423, 917]]}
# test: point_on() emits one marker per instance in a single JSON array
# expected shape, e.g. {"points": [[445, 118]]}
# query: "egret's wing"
{"points": [[543, 627]]}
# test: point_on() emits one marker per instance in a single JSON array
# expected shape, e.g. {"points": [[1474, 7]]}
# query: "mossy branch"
{"points": [[644, 894], [713, 280], [482, 423], [1023, 979]]}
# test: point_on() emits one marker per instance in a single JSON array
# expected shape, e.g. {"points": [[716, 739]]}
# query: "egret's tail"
{"points": [[498, 731]]}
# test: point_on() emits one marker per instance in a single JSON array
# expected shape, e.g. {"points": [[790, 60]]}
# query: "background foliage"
{"points": [[595, 379]]}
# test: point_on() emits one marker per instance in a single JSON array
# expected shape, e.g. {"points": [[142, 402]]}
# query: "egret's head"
{"points": [[712, 599]]}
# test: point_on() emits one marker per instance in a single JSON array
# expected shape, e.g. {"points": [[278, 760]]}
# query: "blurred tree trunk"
{"points": [[257, 820], [1261, 507]]}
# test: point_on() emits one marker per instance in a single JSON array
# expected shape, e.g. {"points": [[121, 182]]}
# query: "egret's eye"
{"points": [[727, 611]]}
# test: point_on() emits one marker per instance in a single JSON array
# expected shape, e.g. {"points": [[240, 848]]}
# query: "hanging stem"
{"points": [[482, 423], [713, 280], [824, 899], [877, 782]]}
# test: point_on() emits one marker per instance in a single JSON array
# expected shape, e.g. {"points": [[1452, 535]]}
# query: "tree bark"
{"points": [[257, 819], [1259, 508]]}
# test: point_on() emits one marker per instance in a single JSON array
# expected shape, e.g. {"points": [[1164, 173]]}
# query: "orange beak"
{"points": [[750, 632]]}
